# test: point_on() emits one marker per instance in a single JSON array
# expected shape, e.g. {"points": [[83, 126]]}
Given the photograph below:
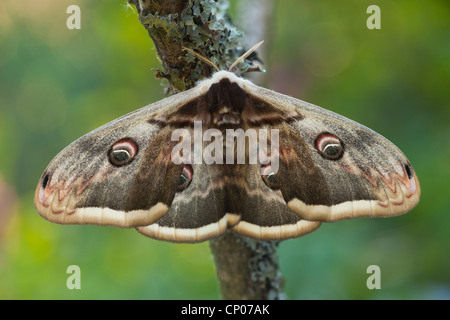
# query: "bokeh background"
{"points": [[58, 84]]}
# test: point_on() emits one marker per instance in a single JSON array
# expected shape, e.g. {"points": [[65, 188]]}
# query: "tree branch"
{"points": [[246, 268], [201, 25]]}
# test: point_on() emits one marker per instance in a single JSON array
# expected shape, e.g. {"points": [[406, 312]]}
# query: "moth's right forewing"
{"points": [[372, 177]]}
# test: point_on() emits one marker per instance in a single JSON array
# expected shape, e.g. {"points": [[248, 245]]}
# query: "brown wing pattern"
{"points": [[371, 178], [329, 168]]}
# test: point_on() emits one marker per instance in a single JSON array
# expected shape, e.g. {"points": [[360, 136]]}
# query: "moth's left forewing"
{"points": [[371, 178], [82, 186]]}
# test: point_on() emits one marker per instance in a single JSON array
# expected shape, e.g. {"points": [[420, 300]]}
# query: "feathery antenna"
{"points": [[204, 59], [245, 55]]}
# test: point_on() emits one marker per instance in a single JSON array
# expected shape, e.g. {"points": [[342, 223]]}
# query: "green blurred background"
{"points": [[58, 84]]}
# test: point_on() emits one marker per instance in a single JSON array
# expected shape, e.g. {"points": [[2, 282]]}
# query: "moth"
{"points": [[128, 174]]}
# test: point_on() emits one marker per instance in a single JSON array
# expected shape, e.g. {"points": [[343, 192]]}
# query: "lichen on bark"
{"points": [[201, 25]]}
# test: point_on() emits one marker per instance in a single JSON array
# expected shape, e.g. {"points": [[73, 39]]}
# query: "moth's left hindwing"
{"points": [[330, 168]]}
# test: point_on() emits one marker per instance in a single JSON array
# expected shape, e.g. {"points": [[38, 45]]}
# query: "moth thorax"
{"points": [[226, 118]]}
